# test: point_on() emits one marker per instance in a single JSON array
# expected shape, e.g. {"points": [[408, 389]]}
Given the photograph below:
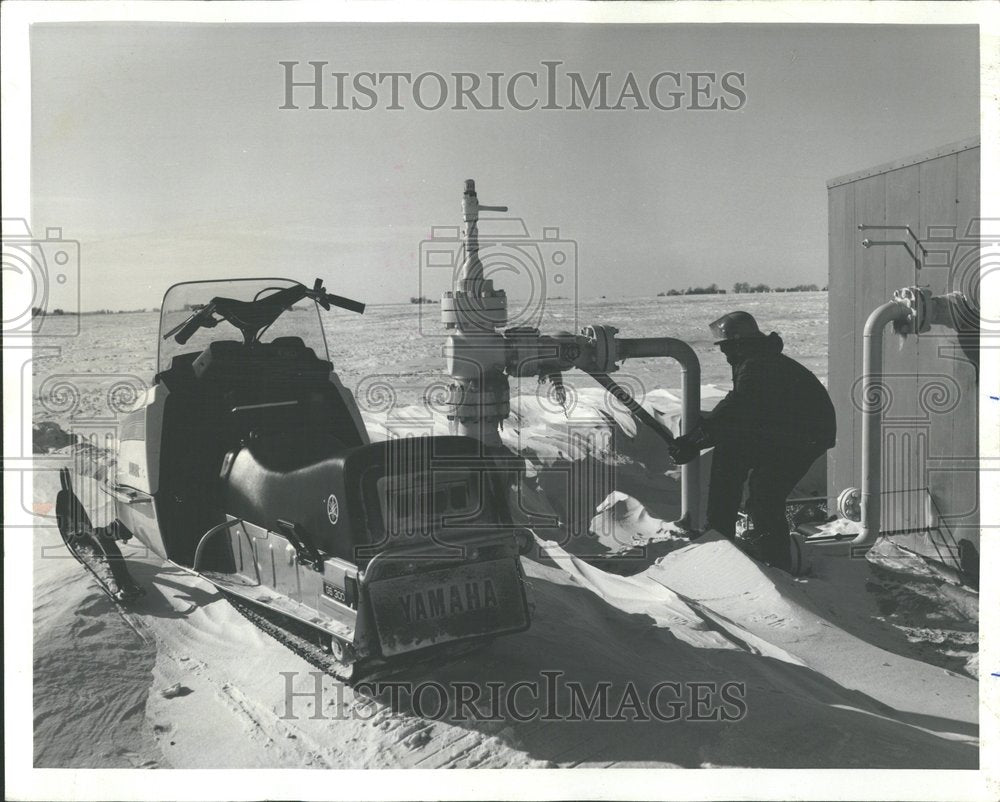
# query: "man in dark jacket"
{"points": [[777, 421]]}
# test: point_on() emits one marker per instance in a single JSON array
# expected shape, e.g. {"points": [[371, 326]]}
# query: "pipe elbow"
{"points": [[669, 347], [864, 538], [883, 315], [685, 356]]}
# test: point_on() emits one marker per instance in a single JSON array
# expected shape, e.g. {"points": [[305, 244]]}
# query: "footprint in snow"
{"points": [[418, 739], [92, 628]]}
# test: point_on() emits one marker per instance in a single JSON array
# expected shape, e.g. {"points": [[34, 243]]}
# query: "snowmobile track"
{"points": [[311, 652], [283, 630]]}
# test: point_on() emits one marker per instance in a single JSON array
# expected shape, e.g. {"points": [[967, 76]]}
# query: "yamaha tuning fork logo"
{"points": [[333, 509]]}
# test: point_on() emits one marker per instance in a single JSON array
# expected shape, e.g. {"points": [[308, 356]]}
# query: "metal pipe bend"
{"points": [[871, 421], [684, 354]]}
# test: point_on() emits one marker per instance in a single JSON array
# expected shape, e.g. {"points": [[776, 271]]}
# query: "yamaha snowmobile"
{"points": [[248, 463]]}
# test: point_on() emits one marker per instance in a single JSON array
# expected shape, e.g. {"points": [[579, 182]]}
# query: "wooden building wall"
{"points": [[930, 432]]}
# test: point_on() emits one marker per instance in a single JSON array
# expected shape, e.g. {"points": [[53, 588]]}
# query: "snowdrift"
{"points": [[691, 655]]}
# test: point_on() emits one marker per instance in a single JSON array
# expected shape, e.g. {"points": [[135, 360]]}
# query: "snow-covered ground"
{"points": [[824, 677], [817, 694]]}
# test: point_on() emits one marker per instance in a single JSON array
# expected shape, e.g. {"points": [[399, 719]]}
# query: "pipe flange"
{"points": [[486, 401], [604, 354], [916, 300], [482, 311], [849, 504]]}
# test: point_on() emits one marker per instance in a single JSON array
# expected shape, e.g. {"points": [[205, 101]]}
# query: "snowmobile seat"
{"points": [[331, 490], [291, 476]]}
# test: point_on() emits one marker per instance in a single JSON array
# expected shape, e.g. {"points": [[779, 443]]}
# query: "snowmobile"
{"points": [[248, 463]]}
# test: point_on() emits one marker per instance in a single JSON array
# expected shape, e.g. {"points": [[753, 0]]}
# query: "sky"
{"points": [[162, 149]]}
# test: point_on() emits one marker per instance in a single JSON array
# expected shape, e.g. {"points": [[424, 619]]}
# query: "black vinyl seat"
{"points": [[333, 491], [299, 477]]}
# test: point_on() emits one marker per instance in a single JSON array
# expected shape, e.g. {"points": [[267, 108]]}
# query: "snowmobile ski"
{"points": [[96, 551]]}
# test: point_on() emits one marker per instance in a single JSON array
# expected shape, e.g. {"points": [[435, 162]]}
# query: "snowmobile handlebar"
{"points": [[201, 318], [253, 317], [345, 303]]}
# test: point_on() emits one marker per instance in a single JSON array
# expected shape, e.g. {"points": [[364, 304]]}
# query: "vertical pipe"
{"points": [[472, 268], [690, 409], [690, 418], [873, 399], [480, 397]]}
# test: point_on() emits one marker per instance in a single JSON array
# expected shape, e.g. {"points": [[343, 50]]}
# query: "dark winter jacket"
{"points": [[775, 402]]}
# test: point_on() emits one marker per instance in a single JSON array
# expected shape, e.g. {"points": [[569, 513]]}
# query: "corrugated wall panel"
{"points": [[938, 390], [905, 435], [842, 331], [869, 283], [965, 278]]}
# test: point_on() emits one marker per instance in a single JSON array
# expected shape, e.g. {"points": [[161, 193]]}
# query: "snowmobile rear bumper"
{"points": [[465, 601], [407, 598]]}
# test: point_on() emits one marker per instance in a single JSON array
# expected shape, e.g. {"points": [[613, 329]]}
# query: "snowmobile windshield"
{"points": [[181, 301]]}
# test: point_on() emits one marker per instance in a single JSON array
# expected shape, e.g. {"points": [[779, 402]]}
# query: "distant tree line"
{"points": [[739, 287], [800, 288], [118, 311], [745, 286], [422, 300], [37, 311], [711, 289]]}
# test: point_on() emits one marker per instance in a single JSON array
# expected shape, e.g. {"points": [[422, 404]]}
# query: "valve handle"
{"points": [[633, 406], [558, 389]]}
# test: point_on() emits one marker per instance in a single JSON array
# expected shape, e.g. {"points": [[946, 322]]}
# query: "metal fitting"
{"points": [[479, 401], [602, 350], [473, 355], [849, 504], [472, 308], [916, 300]]}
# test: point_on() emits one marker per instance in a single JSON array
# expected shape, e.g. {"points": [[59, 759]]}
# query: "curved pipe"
{"points": [[871, 423], [645, 347]]}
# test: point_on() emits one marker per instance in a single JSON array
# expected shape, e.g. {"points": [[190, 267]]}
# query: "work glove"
{"points": [[683, 450]]}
